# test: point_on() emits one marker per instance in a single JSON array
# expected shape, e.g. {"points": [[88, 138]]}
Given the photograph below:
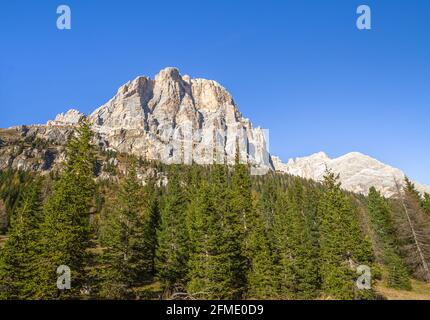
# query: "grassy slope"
{"points": [[420, 291], [2, 240]]}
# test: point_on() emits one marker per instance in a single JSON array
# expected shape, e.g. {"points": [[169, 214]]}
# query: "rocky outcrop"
{"points": [[172, 119], [71, 117], [357, 172], [176, 119]]}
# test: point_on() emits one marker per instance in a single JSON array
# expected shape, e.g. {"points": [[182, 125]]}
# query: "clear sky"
{"points": [[298, 68]]}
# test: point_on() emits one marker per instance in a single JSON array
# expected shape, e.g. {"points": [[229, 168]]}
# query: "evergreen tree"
{"points": [[151, 222], [256, 259], [216, 264], [17, 259], [426, 203], [342, 245], [127, 257], [261, 277], [266, 204], [298, 259], [204, 236], [383, 225], [65, 231], [241, 203], [173, 245], [231, 263], [243, 211]]}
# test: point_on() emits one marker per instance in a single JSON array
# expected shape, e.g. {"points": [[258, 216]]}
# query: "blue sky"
{"points": [[298, 68]]}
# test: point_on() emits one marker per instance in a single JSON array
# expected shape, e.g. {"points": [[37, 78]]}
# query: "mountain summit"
{"points": [[176, 119], [357, 172]]}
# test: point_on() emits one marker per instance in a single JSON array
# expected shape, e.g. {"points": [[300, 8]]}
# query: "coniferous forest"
{"points": [[203, 232]]}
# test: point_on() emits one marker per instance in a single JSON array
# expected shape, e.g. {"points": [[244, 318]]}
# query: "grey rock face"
{"points": [[71, 117], [172, 118], [176, 119], [357, 172]]}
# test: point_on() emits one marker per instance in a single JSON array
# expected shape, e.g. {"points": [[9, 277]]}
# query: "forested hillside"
{"points": [[202, 232]]}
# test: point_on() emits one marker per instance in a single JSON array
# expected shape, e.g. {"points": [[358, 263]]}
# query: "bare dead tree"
{"points": [[414, 232]]}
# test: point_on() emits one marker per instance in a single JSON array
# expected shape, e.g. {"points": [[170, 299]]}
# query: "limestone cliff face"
{"points": [[176, 119], [172, 118], [357, 172]]}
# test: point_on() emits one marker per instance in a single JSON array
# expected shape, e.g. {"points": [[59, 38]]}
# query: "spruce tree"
{"points": [[342, 245], [426, 203], [127, 258], [383, 226], [151, 220], [230, 262], [65, 230], [18, 257], [242, 209], [298, 271], [261, 275], [173, 245], [204, 232]]}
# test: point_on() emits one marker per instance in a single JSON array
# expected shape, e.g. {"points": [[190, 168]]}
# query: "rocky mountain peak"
{"points": [[357, 172], [169, 73], [165, 117], [70, 117]]}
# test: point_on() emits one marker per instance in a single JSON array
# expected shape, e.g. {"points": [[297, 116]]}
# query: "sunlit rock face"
{"points": [[357, 172], [176, 119], [71, 117]]}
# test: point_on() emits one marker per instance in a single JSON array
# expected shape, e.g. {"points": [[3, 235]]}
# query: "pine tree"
{"points": [[426, 203], [342, 245], [242, 210], [204, 233], [17, 259], [298, 259], [65, 231], [383, 225], [267, 203], [231, 263], [241, 201], [173, 245], [261, 276], [151, 222], [127, 258], [217, 266]]}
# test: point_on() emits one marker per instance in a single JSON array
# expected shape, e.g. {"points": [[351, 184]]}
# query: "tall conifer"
{"points": [[65, 231], [18, 257]]}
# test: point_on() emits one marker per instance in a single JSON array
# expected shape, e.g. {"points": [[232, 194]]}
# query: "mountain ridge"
{"points": [[174, 118], [357, 172]]}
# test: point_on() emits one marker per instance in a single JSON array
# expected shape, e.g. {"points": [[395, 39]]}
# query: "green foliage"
{"points": [[126, 236], [342, 245], [383, 226], [173, 244], [413, 229], [204, 232], [19, 256], [65, 230], [217, 265], [262, 278], [211, 232], [426, 203], [12, 185], [297, 255]]}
